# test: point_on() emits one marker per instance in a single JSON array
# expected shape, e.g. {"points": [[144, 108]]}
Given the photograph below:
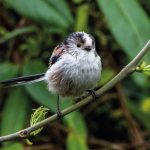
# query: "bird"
{"points": [[74, 67]]}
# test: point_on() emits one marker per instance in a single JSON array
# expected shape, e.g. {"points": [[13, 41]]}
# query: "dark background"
{"points": [[29, 31]]}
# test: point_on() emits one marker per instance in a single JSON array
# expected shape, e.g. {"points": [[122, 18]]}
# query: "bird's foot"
{"points": [[92, 92], [59, 114]]}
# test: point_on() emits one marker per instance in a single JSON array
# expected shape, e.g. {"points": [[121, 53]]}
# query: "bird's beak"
{"points": [[88, 48]]}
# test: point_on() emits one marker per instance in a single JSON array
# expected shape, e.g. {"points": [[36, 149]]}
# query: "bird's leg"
{"points": [[59, 114], [92, 92]]}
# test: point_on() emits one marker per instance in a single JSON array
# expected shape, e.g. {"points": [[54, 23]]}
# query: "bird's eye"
{"points": [[78, 45]]}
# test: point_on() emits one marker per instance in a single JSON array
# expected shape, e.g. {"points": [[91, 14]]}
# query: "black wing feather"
{"points": [[54, 59]]}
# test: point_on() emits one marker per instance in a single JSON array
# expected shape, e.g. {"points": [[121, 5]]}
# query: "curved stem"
{"points": [[120, 76]]}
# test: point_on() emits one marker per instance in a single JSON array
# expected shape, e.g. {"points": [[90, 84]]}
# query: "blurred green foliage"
{"points": [[29, 31], [127, 29]]}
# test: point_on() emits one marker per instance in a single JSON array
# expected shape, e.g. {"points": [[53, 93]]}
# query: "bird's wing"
{"points": [[56, 54], [33, 78]]}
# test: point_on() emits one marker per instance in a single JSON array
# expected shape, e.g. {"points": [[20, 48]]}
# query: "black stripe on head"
{"points": [[78, 36]]}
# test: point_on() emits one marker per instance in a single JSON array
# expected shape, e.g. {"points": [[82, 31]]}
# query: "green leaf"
{"points": [[43, 11], [144, 68], [74, 142], [14, 116], [65, 11], [14, 112], [77, 137], [128, 23], [37, 116], [28, 142], [8, 70], [78, 126]]}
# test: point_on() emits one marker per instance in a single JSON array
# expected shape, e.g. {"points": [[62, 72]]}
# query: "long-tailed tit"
{"points": [[74, 68]]}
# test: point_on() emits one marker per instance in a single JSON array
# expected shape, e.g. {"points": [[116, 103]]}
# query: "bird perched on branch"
{"points": [[74, 68]]}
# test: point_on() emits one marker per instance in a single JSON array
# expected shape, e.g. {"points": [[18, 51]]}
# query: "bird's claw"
{"points": [[59, 114], [92, 92]]}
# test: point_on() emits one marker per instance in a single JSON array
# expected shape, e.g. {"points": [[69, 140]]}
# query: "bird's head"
{"points": [[80, 41]]}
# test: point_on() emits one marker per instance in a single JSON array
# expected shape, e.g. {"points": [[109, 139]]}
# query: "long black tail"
{"points": [[23, 80]]}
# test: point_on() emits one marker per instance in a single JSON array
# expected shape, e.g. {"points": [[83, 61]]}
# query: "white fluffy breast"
{"points": [[89, 71], [74, 75]]}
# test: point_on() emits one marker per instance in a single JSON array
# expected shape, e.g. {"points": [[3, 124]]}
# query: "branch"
{"points": [[130, 68]]}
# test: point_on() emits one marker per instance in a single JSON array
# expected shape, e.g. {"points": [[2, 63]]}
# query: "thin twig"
{"points": [[120, 76], [105, 144], [135, 132], [117, 146], [136, 145]]}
